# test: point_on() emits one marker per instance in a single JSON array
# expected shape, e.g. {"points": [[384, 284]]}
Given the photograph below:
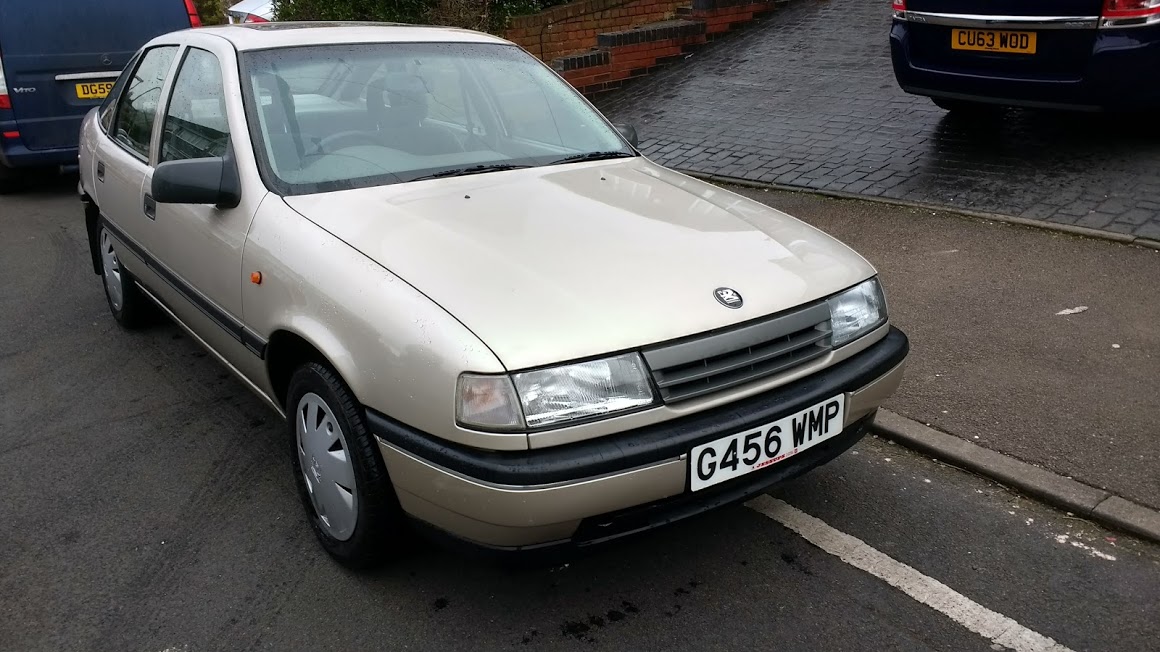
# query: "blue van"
{"points": [[1070, 54], [58, 59]]}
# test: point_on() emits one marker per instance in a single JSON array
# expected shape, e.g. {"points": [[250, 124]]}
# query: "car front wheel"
{"points": [[340, 474]]}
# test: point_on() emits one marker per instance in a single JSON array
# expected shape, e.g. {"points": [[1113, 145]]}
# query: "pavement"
{"points": [[991, 359], [807, 98], [148, 503]]}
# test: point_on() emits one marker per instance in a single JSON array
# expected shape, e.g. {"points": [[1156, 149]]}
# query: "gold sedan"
{"points": [[480, 309]]}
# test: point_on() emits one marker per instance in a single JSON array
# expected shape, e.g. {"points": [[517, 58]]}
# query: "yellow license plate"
{"points": [[94, 90], [990, 40]]}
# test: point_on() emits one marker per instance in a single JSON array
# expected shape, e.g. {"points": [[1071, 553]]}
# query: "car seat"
{"points": [[403, 122]]}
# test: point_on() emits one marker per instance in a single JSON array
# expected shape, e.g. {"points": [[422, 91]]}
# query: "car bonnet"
{"points": [[559, 263]]}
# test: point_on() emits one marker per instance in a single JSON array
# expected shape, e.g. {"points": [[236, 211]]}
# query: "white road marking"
{"points": [[996, 627]]}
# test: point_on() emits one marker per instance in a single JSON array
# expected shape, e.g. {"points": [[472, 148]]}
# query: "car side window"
{"points": [[195, 122], [109, 106], [137, 110]]}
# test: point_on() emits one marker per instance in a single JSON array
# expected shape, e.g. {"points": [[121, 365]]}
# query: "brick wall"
{"points": [[570, 28]]}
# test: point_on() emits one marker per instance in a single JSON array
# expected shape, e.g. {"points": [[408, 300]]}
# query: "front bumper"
{"points": [[601, 489]]}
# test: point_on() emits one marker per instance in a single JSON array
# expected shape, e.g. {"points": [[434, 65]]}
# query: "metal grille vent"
{"points": [[708, 364]]}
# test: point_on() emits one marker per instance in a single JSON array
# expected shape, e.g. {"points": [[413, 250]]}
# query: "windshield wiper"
{"points": [[474, 169], [591, 156]]}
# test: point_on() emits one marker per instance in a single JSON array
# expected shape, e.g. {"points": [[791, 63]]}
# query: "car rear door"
{"points": [[122, 156], [62, 56], [1040, 39]]}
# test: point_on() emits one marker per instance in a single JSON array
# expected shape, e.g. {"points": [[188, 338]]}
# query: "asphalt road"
{"points": [[991, 359], [148, 505]]}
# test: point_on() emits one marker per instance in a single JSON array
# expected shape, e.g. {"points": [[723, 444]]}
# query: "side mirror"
{"points": [[629, 133], [198, 181]]}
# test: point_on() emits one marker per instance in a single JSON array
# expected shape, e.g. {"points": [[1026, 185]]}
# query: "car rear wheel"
{"points": [[9, 180], [129, 306], [341, 477]]}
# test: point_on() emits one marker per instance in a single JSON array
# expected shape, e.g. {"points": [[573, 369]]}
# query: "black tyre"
{"points": [[341, 477], [9, 180], [130, 307]]}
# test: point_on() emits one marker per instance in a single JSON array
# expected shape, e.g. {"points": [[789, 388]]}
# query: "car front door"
{"points": [[200, 245]]}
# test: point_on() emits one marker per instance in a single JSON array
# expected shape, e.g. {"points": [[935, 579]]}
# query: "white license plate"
{"points": [[758, 448]]}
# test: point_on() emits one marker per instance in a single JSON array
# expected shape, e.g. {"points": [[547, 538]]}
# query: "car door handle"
{"points": [[100, 171], [150, 208]]}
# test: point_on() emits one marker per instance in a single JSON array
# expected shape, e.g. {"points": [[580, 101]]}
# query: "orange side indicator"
{"points": [[256, 278]]}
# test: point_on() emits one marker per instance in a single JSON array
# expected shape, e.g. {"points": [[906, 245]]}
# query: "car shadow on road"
{"points": [[662, 574], [1024, 162], [50, 183], [1034, 136]]}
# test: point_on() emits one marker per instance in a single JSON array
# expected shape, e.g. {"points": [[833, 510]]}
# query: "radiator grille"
{"points": [[703, 365]]}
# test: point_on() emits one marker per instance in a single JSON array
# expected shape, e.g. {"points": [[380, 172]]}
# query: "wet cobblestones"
{"points": [[807, 97]]}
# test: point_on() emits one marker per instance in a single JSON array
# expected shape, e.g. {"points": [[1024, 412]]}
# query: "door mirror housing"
{"points": [[629, 133], [198, 181]]}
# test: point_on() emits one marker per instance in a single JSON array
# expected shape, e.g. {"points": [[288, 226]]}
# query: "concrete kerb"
{"points": [[1088, 502], [1122, 238]]}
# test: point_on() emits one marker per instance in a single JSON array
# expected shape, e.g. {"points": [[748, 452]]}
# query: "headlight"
{"points": [[554, 395], [856, 311], [582, 390]]}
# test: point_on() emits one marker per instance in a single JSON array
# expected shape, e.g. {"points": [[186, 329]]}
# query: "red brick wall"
{"points": [[571, 28], [628, 61], [720, 20]]}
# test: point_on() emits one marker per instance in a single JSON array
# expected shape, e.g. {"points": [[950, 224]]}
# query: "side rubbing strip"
{"points": [[251, 340]]}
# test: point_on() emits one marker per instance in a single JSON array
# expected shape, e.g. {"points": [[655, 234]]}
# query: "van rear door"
{"points": [[61, 57]]}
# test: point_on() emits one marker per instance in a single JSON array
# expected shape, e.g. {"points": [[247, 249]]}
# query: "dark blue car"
{"points": [[1071, 54], [58, 59]]}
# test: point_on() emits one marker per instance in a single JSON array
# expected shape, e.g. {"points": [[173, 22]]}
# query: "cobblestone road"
{"points": [[807, 97]]}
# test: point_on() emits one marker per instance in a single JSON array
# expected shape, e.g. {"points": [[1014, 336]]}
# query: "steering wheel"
{"points": [[488, 140]]}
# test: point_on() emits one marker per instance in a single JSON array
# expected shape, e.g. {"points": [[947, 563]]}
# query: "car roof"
{"points": [[261, 36]]}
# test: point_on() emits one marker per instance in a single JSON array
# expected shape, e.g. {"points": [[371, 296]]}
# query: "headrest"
{"points": [[405, 84]]}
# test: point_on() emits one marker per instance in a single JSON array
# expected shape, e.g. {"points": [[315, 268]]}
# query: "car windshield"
{"points": [[354, 115]]}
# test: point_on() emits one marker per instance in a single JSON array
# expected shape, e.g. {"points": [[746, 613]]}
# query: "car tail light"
{"points": [[11, 134], [251, 18], [5, 101], [899, 5], [191, 9], [1128, 13]]}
